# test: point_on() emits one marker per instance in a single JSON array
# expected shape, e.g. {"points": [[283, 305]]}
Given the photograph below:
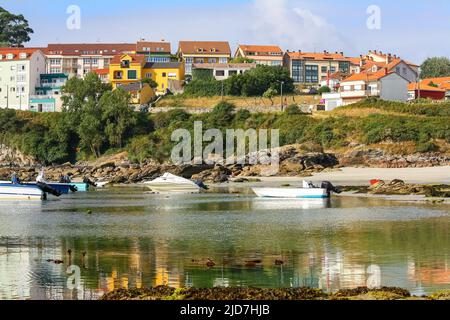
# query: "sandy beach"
{"points": [[362, 176]]}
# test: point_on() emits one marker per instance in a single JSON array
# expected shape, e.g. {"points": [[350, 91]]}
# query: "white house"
{"points": [[222, 71], [382, 84], [20, 70]]}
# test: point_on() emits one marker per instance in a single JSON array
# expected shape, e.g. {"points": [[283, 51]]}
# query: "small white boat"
{"points": [[170, 183], [101, 184], [309, 191], [299, 193], [20, 192]]}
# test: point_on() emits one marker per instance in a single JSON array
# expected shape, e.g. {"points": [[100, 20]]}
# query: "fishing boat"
{"points": [[9, 191], [308, 191], [169, 183]]}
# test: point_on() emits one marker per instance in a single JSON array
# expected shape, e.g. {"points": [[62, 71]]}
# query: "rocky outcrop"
{"points": [[377, 158], [13, 157]]}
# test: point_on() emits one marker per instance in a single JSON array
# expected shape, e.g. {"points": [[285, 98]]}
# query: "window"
{"points": [[212, 60], [106, 63], [347, 88], [232, 73], [358, 87], [298, 71], [20, 78], [12, 89], [404, 70], [200, 60], [9, 56], [220, 73], [276, 63], [55, 62], [95, 62], [397, 69], [55, 70], [86, 60], [172, 75], [223, 60], [344, 66], [324, 69], [311, 74], [125, 63], [21, 67], [13, 68], [332, 69], [148, 75], [132, 74], [164, 74], [189, 60]]}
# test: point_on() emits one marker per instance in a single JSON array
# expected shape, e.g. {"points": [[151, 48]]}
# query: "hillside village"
{"points": [[32, 78]]}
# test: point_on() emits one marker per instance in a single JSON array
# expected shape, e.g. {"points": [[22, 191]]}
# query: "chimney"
{"points": [[342, 53]]}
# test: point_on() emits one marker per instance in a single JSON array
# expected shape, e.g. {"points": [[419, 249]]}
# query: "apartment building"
{"points": [[196, 52], [47, 97], [80, 59], [20, 70], [312, 68], [265, 55]]}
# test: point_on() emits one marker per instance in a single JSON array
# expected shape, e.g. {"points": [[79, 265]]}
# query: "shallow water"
{"points": [[136, 239]]}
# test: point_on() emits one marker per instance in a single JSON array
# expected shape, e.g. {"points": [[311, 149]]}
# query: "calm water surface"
{"points": [[135, 239]]}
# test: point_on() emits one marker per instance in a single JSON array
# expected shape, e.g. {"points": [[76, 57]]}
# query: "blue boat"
{"points": [[81, 186]]}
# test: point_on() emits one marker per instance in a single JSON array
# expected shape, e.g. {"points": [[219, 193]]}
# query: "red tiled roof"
{"points": [[423, 87], [4, 52], [261, 50], [78, 49], [101, 71], [225, 65], [155, 47], [205, 47], [367, 76]]}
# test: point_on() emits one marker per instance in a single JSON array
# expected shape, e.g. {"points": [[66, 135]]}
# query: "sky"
{"points": [[414, 29]]}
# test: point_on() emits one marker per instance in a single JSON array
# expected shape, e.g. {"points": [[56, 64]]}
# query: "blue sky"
{"points": [[414, 29]]}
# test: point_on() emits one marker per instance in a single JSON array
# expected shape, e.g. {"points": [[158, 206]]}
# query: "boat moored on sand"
{"points": [[308, 191], [169, 183]]}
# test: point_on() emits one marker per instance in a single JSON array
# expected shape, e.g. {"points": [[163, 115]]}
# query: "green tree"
{"points": [[435, 67], [14, 29], [117, 115], [324, 89], [270, 93], [91, 130]]}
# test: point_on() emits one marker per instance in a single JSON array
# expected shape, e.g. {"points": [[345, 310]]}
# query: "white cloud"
{"points": [[294, 25]]}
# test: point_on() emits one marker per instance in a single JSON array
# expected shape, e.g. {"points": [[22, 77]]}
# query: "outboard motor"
{"points": [[330, 188], [47, 189], [89, 182], [201, 184]]}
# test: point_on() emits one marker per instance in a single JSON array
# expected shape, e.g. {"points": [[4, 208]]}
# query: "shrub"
{"points": [[324, 89]]}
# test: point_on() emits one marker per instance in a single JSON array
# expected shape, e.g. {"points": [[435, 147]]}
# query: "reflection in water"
{"points": [[135, 240]]}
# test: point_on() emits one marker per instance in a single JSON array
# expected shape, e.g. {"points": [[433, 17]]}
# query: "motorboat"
{"points": [[169, 183], [9, 191], [308, 191]]}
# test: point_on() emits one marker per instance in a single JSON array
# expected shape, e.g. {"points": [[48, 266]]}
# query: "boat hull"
{"points": [[173, 188], [20, 192], [291, 193]]}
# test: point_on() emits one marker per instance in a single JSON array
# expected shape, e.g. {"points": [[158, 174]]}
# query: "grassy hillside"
{"points": [[397, 127]]}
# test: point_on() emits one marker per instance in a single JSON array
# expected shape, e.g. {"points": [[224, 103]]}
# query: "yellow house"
{"points": [[133, 68]]}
